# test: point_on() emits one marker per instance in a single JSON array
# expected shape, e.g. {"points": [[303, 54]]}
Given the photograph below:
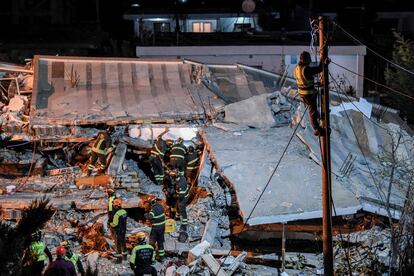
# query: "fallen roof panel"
{"points": [[79, 91], [247, 160]]}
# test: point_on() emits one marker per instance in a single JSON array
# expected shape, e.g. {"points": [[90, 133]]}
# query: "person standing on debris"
{"points": [[158, 151], [60, 266], [111, 197], [73, 257], [36, 254], [169, 191], [303, 74], [181, 189], [100, 149], [142, 256], [177, 156], [192, 162], [157, 218], [118, 224]]}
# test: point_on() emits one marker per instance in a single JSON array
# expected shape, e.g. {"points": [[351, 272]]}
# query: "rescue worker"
{"points": [[118, 225], [73, 257], [169, 191], [111, 197], [304, 74], [157, 218], [60, 266], [177, 156], [158, 151], [181, 189], [36, 255], [192, 162], [100, 149], [142, 256]]}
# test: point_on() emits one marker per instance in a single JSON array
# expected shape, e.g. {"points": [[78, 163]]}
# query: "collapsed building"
{"points": [[244, 118]]}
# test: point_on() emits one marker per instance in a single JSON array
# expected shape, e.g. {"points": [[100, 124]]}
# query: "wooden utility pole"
{"points": [[326, 155]]}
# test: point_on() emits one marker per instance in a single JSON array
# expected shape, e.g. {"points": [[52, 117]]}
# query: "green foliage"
{"points": [[403, 55], [14, 240]]}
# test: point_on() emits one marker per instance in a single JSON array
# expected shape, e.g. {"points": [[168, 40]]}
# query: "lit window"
{"points": [[202, 27]]}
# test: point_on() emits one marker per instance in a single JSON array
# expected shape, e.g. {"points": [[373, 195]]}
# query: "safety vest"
{"points": [[178, 151], [120, 213], [110, 201], [38, 251], [305, 86], [100, 146], [142, 254], [157, 215], [73, 259]]}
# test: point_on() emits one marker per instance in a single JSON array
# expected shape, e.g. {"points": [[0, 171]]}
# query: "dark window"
{"points": [[161, 27], [242, 27]]}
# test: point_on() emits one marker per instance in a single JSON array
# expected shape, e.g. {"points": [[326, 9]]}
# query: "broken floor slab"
{"points": [[248, 160]]}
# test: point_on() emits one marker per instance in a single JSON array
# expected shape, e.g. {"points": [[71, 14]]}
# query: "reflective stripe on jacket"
{"points": [[182, 188], [38, 251], [157, 216], [159, 148], [305, 86], [178, 151]]}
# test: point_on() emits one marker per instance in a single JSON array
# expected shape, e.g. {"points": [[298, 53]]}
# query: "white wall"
{"points": [[270, 58]]}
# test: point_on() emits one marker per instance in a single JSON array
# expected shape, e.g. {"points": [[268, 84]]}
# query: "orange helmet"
{"points": [[117, 202]]}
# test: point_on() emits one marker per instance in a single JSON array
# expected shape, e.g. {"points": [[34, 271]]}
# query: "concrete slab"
{"points": [[294, 193]]}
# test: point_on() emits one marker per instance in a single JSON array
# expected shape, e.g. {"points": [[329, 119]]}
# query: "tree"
{"points": [[401, 80]]}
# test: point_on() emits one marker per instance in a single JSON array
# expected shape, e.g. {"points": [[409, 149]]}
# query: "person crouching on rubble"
{"points": [[60, 266], [157, 217], [100, 149], [118, 224], [35, 256], [192, 161], [158, 151], [142, 256], [73, 257]]}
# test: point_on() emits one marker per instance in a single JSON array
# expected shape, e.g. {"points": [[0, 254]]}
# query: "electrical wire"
{"points": [[375, 82], [268, 182], [356, 107], [376, 53]]}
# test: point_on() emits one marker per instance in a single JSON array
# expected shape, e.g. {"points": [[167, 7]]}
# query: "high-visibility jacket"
{"points": [[159, 148], [119, 221], [178, 151], [181, 188], [156, 215], [192, 160], [102, 145], [73, 259], [38, 251], [142, 255], [110, 202], [305, 85]]}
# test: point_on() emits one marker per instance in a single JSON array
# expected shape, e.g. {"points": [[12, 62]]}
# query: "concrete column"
{"points": [[360, 80], [136, 27]]}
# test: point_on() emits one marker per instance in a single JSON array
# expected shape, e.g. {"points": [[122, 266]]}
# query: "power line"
{"points": [[377, 83], [268, 182], [376, 53]]}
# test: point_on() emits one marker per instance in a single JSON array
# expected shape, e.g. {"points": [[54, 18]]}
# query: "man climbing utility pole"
{"points": [[326, 155]]}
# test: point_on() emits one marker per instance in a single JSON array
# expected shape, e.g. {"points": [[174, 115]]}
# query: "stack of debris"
{"points": [[21, 163], [261, 111], [14, 117]]}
